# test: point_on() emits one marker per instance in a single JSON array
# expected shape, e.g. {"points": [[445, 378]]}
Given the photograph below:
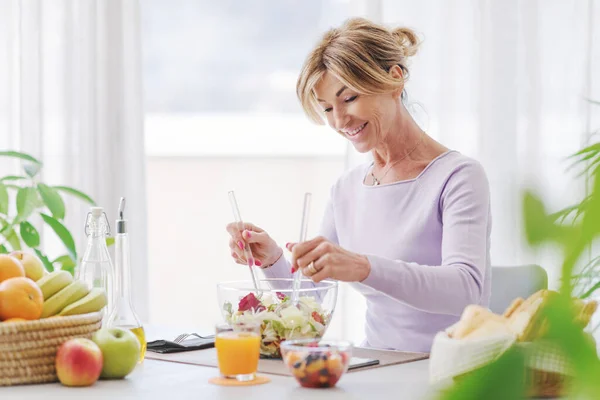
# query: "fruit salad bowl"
{"points": [[271, 306], [317, 363]]}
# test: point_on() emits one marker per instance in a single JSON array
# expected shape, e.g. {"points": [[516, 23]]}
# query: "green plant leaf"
{"points": [[20, 155], [590, 291], [3, 199], [3, 249], [62, 232], [580, 350], [76, 193], [45, 260], [591, 215], [16, 187], [13, 240], [13, 178], [110, 241], [26, 203], [593, 148], [65, 259], [29, 234], [539, 226], [500, 380], [66, 263], [70, 269], [52, 200]]}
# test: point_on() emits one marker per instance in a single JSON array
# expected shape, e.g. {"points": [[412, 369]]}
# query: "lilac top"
{"points": [[428, 242]]}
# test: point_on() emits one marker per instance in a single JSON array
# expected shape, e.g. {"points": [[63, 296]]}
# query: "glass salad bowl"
{"points": [[271, 307]]}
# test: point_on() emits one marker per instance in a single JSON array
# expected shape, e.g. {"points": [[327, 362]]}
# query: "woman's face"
{"points": [[365, 120]]}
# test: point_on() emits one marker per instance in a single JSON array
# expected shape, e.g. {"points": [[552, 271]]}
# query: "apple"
{"points": [[78, 362], [34, 269], [120, 349]]}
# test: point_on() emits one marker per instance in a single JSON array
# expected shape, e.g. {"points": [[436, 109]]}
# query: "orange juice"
{"points": [[237, 352]]}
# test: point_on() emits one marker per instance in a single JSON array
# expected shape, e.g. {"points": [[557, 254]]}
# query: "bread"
{"points": [[474, 318], [489, 328], [514, 305], [523, 318], [526, 319]]}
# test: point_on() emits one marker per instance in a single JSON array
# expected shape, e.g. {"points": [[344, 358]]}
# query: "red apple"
{"points": [[78, 362]]}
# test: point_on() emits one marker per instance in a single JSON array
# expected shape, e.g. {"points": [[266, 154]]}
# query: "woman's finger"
{"points": [[309, 270], [322, 274], [238, 259], [314, 254], [239, 245], [299, 249], [234, 232], [255, 237]]}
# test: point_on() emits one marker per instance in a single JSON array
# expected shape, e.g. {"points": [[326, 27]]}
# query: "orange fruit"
{"points": [[10, 267], [15, 320], [20, 298]]}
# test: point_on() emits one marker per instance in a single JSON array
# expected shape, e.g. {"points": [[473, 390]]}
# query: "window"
{"points": [[222, 114]]}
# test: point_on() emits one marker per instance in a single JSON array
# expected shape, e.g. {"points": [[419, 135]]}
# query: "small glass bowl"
{"points": [[317, 363]]}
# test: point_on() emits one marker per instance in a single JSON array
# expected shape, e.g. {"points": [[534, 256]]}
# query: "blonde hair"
{"points": [[360, 54]]}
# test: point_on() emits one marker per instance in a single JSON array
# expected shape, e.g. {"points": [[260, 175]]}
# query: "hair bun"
{"points": [[407, 39]]}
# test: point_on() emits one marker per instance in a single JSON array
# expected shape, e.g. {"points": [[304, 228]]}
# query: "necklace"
{"points": [[377, 182]]}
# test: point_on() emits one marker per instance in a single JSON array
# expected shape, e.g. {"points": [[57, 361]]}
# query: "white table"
{"points": [[174, 381]]}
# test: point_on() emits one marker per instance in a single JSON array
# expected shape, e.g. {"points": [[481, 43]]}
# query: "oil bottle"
{"points": [[123, 314]]}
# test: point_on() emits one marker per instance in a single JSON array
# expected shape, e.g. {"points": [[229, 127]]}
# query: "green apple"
{"points": [[120, 351]]}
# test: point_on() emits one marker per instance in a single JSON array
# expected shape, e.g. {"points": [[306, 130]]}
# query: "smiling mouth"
{"points": [[356, 131]]}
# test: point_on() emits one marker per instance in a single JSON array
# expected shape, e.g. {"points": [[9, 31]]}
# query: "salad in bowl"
{"points": [[271, 307]]}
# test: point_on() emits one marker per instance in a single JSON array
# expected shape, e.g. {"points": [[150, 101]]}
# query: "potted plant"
{"points": [[25, 197]]}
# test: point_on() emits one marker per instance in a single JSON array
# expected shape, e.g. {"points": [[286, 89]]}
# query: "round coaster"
{"points": [[219, 380]]}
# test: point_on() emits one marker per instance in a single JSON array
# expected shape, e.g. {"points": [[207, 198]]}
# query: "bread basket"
{"points": [[481, 337], [28, 348]]}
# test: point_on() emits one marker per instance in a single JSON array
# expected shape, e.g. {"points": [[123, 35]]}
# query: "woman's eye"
{"points": [[351, 99], [328, 109]]}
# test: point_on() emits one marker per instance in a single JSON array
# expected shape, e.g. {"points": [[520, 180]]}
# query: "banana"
{"points": [[54, 282], [67, 296], [94, 301]]}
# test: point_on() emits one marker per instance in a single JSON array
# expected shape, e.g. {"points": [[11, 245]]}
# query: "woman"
{"points": [[410, 230]]}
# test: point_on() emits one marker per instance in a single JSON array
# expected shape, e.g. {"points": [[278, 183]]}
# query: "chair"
{"points": [[508, 283]]}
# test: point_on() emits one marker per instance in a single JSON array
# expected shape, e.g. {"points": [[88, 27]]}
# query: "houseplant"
{"points": [[26, 201], [573, 230]]}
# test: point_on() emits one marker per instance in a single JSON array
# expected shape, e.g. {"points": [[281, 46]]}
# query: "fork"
{"points": [[184, 336]]}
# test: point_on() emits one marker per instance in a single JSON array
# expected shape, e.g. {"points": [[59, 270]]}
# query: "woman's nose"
{"points": [[340, 119]]}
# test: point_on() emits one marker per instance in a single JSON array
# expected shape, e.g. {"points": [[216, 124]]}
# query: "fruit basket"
{"points": [[272, 308], [28, 348]]}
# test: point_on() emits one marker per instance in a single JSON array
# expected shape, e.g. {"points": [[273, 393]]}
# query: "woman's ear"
{"points": [[396, 74]]}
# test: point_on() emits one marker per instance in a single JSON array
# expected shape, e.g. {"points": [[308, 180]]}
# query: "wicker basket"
{"points": [[28, 349], [543, 384], [551, 382]]}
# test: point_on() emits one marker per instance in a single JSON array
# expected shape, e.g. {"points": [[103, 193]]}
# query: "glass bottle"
{"points": [[123, 314], [96, 268]]}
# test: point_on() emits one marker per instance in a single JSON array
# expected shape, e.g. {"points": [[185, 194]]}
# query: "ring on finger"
{"points": [[312, 269]]}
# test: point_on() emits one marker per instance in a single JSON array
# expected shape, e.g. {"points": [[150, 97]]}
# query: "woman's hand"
{"points": [[265, 250], [320, 259]]}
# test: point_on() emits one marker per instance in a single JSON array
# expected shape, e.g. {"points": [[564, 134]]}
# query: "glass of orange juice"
{"points": [[238, 350]]}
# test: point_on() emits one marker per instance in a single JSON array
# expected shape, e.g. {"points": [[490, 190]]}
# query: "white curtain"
{"points": [[505, 82], [70, 94]]}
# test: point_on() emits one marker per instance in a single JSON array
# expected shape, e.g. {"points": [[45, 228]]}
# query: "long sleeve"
{"points": [[464, 209]]}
